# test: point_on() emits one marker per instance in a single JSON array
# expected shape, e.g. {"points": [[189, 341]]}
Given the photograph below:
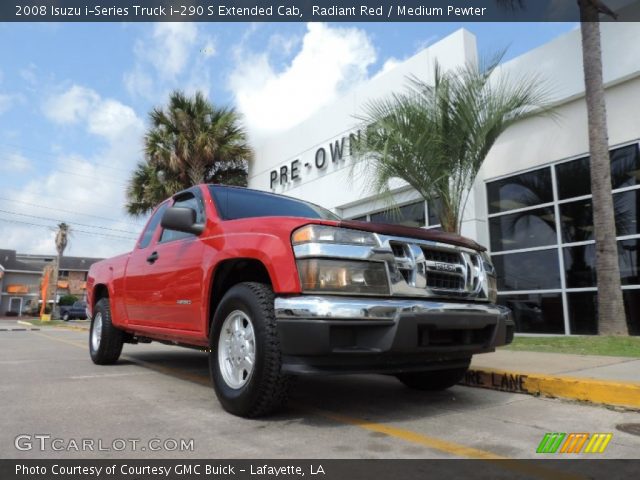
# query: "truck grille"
{"points": [[441, 270]]}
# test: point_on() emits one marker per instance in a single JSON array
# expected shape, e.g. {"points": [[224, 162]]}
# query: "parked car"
{"points": [[77, 310], [274, 287]]}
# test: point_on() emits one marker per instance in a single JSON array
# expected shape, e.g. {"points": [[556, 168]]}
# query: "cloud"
{"points": [[5, 102], [72, 105], [78, 188], [171, 52], [15, 162], [331, 60]]}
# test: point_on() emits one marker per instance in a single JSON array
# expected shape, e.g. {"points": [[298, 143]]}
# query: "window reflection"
{"points": [[625, 166], [528, 270], [535, 313], [580, 266], [583, 313], [531, 228], [574, 178], [411, 215], [519, 191], [629, 261]]}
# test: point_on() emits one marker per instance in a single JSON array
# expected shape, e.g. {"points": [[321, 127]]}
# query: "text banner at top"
{"points": [[305, 10]]}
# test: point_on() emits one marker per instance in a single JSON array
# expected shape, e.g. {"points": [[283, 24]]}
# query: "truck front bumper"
{"points": [[332, 334]]}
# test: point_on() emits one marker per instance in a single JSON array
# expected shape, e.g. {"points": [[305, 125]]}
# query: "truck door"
{"points": [[164, 280]]}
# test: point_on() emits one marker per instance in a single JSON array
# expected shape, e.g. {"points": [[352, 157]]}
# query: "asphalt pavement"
{"points": [[162, 394]]}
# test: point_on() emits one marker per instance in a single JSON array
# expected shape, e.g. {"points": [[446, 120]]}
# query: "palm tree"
{"points": [[61, 241], [436, 137], [611, 314], [189, 142]]}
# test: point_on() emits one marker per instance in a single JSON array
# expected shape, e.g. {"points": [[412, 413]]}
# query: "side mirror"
{"points": [[181, 219]]}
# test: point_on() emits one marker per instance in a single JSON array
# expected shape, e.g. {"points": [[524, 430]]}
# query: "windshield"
{"points": [[235, 202]]}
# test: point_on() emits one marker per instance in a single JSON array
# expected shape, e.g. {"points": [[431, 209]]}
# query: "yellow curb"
{"points": [[23, 322], [619, 394]]}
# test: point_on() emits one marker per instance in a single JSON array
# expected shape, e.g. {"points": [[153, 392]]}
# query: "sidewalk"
{"points": [[613, 381]]}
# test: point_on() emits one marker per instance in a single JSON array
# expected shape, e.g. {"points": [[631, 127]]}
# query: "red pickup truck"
{"points": [[274, 287]]}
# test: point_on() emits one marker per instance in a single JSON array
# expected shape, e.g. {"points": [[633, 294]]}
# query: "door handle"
{"points": [[153, 257]]}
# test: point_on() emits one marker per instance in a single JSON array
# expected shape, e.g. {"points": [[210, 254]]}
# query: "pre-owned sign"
{"points": [[335, 151]]}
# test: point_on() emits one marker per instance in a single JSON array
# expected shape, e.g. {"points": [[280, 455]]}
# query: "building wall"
{"points": [[529, 145], [32, 280]]}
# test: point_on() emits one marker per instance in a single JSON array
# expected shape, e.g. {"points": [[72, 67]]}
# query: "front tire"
{"points": [[434, 380], [105, 340], [245, 357], [66, 317]]}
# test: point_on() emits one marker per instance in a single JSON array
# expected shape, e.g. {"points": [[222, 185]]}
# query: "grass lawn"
{"points": [[591, 345]]}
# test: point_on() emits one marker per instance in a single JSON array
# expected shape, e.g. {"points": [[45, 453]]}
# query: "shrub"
{"points": [[67, 300]]}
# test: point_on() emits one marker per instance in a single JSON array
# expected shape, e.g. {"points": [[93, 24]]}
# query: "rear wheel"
{"points": [[244, 360], [105, 340], [434, 380]]}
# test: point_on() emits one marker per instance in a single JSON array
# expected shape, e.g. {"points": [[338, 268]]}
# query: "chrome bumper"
{"points": [[357, 334]]}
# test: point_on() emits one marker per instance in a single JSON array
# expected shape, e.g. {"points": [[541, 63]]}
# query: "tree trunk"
{"points": [[611, 314]]}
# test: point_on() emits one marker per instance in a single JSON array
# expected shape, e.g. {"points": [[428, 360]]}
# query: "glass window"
{"points": [[189, 201], [583, 313], [576, 221], [632, 307], [627, 208], [629, 261], [574, 178], [625, 166], [580, 266], [531, 228], [435, 207], [528, 270], [411, 215], [360, 219], [525, 190], [235, 202], [147, 235], [535, 313]]}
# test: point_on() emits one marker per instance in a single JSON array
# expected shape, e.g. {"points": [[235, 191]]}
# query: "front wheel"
{"points": [[105, 340], [244, 358], [66, 317], [434, 380]]}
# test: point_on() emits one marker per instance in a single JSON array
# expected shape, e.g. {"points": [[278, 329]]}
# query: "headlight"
{"points": [[339, 276], [327, 234], [491, 284]]}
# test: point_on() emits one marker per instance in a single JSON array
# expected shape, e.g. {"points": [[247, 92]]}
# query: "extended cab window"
{"points": [[233, 203], [147, 235], [188, 200]]}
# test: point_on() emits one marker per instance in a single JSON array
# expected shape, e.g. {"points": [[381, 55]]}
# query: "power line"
{"points": [[83, 232], [73, 212], [63, 221]]}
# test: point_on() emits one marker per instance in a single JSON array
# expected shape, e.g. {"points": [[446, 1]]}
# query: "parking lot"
{"points": [[50, 387]]}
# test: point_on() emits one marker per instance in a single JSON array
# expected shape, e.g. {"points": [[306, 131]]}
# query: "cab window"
{"points": [[147, 235]]}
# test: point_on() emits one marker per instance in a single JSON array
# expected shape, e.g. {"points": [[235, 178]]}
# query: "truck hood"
{"points": [[411, 232]]}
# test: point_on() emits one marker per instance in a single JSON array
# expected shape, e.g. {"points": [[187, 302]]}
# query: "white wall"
{"points": [[334, 187], [529, 144]]}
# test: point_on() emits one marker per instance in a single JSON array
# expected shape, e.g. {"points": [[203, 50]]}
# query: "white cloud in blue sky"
{"points": [[74, 100]]}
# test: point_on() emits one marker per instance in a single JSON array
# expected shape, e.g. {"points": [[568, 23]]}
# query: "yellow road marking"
{"points": [[410, 436]]}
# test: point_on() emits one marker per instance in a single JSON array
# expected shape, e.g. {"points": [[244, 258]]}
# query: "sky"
{"points": [[74, 102]]}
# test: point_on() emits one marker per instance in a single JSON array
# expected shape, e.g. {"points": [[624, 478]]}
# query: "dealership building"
{"points": [[531, 202]]}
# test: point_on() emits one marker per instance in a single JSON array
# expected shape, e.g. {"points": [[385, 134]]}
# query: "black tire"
{"points": [[66, 317], [434, 380], [107, 349], [266, 389]]}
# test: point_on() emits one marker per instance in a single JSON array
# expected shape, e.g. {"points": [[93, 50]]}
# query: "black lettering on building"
{"points": [[273, 176], [295, 170], [336, 149], [354, 138], [321, 158], [283, 174]]}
